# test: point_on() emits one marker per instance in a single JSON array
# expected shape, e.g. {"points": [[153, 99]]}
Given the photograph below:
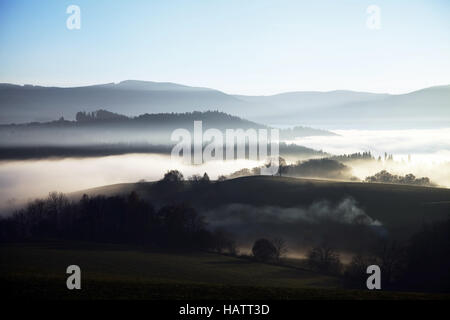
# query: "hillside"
{"points": [[20, 104], [400, 208], [428, 108], [423, 108], [285, 107], [102, 126], [103, 132]]}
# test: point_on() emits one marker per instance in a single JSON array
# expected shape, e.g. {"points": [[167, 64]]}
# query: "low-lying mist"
{"points": [[439, 173], [433, 145], [25, 180], [345, 225], [424, 153]]}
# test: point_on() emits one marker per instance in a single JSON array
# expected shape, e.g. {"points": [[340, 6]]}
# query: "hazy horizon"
{"points": [[66, 86]]}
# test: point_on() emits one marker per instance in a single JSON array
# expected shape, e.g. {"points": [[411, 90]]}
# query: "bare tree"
{"points": [[325, 258], [391, 256], [281, 248], [281, 166]]}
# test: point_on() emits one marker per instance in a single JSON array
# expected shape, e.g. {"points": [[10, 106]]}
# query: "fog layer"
{"points": [[24, 180], [425, 153]]}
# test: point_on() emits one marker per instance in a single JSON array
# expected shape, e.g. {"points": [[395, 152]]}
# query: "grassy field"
{"points": [[117, 272]]}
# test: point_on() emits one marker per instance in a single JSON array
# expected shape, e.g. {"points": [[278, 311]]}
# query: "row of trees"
{"points": [[366, 155], [323, 168], [386, 177], [99, 115], [174, 181], [113, 219]]}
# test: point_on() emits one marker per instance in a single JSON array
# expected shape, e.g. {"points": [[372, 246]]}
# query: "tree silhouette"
{"points": [[281, 248], [324, 258], [264, 250]]}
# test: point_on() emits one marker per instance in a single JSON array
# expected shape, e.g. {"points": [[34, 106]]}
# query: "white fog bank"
{"points": [[424, 153], [24, 180]]}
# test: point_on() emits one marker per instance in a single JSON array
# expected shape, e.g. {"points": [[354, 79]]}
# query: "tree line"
{"points": [[420, 264], [409, 179], [116, 219]]}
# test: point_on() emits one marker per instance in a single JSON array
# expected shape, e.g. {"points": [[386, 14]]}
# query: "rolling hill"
{"points": [[35, 103], [428, 107], [106, 133], [400, 208]]}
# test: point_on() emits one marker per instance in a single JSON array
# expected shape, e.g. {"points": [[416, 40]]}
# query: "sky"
{"points": [[254, 47]]}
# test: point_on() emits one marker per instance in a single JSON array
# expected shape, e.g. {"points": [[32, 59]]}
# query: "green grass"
{"points": [[118, 272]]}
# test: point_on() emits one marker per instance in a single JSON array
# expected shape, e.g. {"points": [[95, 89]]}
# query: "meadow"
{"points": [[37, 271]]}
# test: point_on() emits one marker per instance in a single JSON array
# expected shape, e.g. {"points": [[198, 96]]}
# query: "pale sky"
{"points": [[241, 47]]}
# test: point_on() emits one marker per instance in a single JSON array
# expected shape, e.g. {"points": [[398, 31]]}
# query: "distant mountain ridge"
{"points": [[152, 86], [429, 107], [20, 104]]}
